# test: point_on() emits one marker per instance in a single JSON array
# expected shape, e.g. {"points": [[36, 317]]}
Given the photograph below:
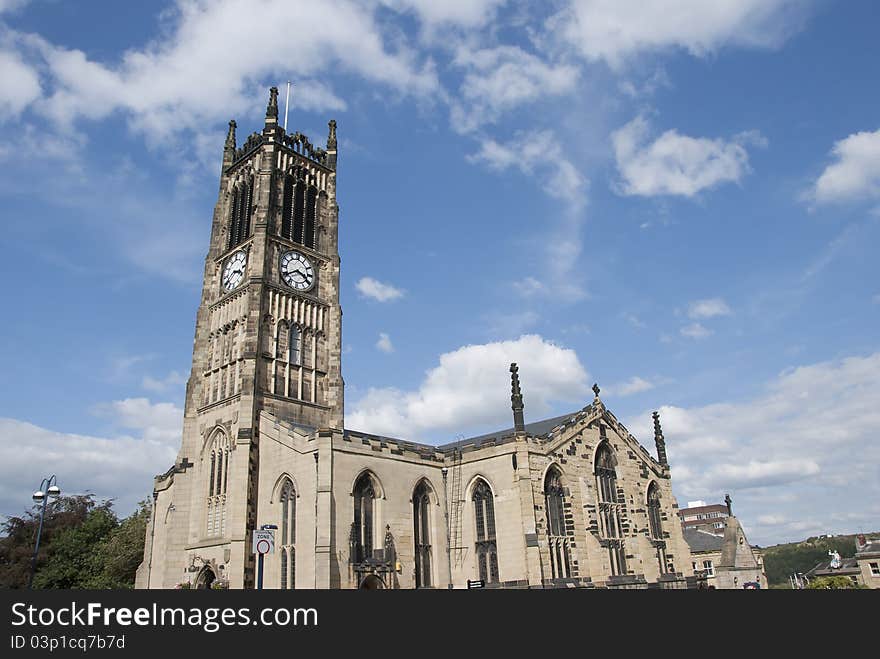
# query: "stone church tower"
{"points": [[267, 337], [572, 501]]}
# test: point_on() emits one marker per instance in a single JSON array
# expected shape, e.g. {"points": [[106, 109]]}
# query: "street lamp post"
{"points": [[48, 488]]}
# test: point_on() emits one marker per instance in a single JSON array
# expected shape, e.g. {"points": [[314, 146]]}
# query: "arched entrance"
{"points": [[206, 579], [372, 582]]}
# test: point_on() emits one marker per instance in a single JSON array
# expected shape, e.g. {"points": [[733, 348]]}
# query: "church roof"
{"points": [[700, 541], [536, 429], [540, 429]]}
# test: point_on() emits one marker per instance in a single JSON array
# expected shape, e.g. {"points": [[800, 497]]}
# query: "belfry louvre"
{"points": [[572, 501]]}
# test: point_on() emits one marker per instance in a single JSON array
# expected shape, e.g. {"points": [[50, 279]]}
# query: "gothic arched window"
{"points": [[609, 508], [287, 538], [422, 535], [655, 525], [654, 522], [485, 547], [299, 200], [287, 208], [240, 212], [557, 539], [217, 478], [311, 210], [364, 518], [295, 345]]}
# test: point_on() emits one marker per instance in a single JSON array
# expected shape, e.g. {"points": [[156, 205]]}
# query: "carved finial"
{"points": [[516, 399], [331, 138], [596, 389], [659, 441], [230, 136], [272, 108], [729, 503]]}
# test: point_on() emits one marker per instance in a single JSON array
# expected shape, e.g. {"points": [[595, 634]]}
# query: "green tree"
{"points": [[72, 560], [20, 534], [833, 583], [122, 551], [83, 545]]}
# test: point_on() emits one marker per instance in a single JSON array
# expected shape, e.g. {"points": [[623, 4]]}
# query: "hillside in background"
{"points": [[781, 561]]}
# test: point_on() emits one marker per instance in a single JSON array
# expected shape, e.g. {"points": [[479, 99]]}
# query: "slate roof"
{"points": [[700, 541], [824, 569], [537, 429], [872, 547]]}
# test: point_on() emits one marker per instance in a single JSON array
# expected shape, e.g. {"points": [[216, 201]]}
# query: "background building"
{"points": [[703, 516], [862, 569], [725, 560]]}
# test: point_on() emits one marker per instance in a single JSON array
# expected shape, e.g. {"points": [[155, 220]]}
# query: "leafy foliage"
{"points": [[83, 545], [781, 561], [826, 583]]}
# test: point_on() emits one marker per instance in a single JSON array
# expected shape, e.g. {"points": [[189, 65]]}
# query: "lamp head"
{"points": [[39, 495], [54, 491]]}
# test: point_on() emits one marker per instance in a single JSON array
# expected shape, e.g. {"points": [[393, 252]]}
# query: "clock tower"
{"points": [[267, 342]]}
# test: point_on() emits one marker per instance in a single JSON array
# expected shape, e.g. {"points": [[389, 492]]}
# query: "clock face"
{"points": [[297, 271], [233, 273]]}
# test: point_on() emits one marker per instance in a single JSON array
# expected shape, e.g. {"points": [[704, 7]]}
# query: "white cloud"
{"points": [[384, 343], [21, 84], [804, 448], [161, 422], [11, 5], [536, 153], [695, 331], [470, 388], [170, 381], [675, 164], [539, 155], [377, 290], [120, 467], [190, 76], [856, 172], [462, 13], [500, 79], [615, 30], [634, 320], [708, 308], [632, 386], [529, 286]]}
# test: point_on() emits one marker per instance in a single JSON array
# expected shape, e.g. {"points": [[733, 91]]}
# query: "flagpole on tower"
{"points": [[286, 105]]}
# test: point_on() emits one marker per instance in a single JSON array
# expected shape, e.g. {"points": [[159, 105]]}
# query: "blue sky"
{"points": [[679, 201]]}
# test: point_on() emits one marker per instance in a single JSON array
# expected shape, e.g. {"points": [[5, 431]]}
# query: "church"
{"points": [[571, 501]]}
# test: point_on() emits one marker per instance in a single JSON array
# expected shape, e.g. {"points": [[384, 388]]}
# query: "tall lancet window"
{"points": [[287, 208], [299, 202], [281, 351], [610, 509], [287, 537], [557, 538], [485, 546], [311, 211], [655, 525], [295, 346], [364, 518], [241, 208], [422, 535], [217, 461]]}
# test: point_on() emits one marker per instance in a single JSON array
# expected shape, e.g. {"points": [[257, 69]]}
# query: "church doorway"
{"points": [[372, 582], [206, 579]]}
